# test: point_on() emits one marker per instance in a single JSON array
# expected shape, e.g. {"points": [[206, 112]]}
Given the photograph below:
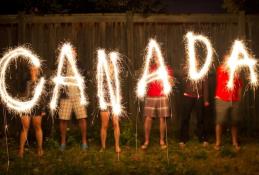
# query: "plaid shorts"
{"points": [[158, 104], [69, 104]]}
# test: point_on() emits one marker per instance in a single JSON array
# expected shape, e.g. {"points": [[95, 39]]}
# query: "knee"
{"points": [[37, 127], [25, 128], [116, 125], [104, 126]]}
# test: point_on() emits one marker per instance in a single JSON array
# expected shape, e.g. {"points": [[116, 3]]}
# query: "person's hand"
{"points": [[43, 113], [206, 104]]}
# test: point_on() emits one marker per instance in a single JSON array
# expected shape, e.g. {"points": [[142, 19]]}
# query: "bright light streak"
{"points": [[160, 74], [66, 54], [104, 69], [194, 74], [12, 103], [240, 58]]}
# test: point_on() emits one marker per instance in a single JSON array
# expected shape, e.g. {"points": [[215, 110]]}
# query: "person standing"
{"points": [[227, 99], [156, 101], [70, 102], [195, 97], [105, 116], [35, 116]]}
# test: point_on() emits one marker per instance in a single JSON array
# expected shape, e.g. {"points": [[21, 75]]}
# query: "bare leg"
{"points": [[234, 132], [104, 127], [162, 130], [116, 128], [83, 126], [63, 130], [147, 126], [218, 136], [25, 120], [38, 132]]}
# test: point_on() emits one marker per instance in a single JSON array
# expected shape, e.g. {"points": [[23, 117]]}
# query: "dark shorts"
{"points": [[35, 112], [160, 105], [223, 108]]}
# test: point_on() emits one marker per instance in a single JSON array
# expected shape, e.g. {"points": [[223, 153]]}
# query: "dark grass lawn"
{"points": [[194, 159]]}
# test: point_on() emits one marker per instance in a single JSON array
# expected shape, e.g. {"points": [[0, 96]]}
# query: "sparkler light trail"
{"points": [[160, 74], [66, 54], [240, 58], [194, 74], [109, 71], [12, 103]]}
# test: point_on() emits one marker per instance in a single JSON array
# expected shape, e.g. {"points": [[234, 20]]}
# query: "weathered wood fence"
{"points": [[129, 34]]}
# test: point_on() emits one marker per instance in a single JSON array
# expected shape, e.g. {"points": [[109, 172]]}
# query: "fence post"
{"points": [[130, 62], [242, 25]]}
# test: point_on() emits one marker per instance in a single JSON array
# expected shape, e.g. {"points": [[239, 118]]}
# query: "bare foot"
{"points": [[144, 146], [182, 145], [20, 153], [102, 150], [118, 149], [205, 144], [217, 147], [236, 147], [40, 152]]}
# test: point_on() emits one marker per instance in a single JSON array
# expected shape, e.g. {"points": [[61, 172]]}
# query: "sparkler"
{"points": [[77, 80], [236, 62], [105, 69], [160, 74], [14, 103], [194, 74]]}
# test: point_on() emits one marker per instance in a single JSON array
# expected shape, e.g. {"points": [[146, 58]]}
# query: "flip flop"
{"points": [[236, 147], [118, 151], [144, 147], [217, 147], [163, 146], [182, 145]]}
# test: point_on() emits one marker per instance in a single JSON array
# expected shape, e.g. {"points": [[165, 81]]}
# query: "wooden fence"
{"points": [[129, 34]]}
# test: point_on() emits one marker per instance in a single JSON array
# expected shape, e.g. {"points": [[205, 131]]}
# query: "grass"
{"points": [[194, 159]]}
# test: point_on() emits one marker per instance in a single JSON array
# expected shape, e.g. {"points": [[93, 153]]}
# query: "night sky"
{"points": [[172, 6], [194, 6]]}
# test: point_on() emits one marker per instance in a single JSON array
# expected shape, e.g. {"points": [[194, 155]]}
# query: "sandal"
{"points": [[163, 146], [118, 150], [236, 147], [182, 145], [144, 146], [217, 147], [102, 150]]}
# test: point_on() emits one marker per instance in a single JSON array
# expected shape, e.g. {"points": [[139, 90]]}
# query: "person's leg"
{"points": [[222, 108], [201, 132], [38, 133], [218, 131], [64, 115], [234, 133], [83, 127], [162, 130], [25, 120], [80, 112], [116, 128], [149, 112], [187, 107], [235, 117], [63, 131], [147, 128], [104, 126]]}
